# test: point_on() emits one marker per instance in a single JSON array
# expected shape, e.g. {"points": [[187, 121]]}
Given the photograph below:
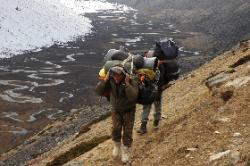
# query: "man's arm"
{"points": [[102, 86], [131, 89]]}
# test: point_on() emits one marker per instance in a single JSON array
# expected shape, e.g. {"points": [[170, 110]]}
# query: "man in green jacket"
{"points": [[123, 97]]}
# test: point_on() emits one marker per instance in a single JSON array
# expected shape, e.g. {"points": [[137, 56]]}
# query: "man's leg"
{"points": [[144, 119], [127, 138], [157, 113], [128, 119], [117, 122]]}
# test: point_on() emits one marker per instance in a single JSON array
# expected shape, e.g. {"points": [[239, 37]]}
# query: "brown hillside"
{"points": [[206, 121]]}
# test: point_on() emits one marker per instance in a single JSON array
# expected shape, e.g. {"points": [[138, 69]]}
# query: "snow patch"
{"points": [[69, 58], [11, 95], [12, 115], [13, 129], [29, 25]]}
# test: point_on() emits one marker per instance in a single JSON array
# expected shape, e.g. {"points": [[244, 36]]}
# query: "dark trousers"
{"points": [[123, 123], [146, 109]]}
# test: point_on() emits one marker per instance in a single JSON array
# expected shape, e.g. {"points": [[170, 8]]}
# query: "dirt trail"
{"points": [[205, 121]]}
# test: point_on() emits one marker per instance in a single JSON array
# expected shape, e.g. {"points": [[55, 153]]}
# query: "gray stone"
{"points": [[219, 155], [216, 79], [234, 157], [237, 135]]}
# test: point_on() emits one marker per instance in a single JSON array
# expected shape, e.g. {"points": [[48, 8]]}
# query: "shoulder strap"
{"points": [[129, 58]]}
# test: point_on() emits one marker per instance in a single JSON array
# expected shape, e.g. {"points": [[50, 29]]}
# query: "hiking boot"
{"points": [[125, 154], [143, 128], [116, 150], [156, 124]]}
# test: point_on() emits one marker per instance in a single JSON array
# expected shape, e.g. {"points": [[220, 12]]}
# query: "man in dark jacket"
{"points": [[157, 111], [123, 97], [169, 70]]}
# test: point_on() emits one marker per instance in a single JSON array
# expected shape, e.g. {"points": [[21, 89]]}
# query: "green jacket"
{"points": [[122, 98]]}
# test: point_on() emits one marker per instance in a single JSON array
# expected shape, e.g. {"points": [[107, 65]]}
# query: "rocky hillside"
{"points": [[205, 121], [221, 23]]}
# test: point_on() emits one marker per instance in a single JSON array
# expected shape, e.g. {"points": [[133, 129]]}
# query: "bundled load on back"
{"points": [[122, 58], [153, 71], [167, 53], [140, 68], [166, 49]]}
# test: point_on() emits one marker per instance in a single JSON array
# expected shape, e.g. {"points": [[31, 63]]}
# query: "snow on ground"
{"points": [[27, 25]]}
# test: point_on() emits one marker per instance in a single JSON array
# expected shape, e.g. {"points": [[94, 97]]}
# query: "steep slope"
{"points": [[205, 121]]}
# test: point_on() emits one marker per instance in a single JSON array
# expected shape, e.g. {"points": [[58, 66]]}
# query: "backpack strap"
{"points": [[129, 58]]}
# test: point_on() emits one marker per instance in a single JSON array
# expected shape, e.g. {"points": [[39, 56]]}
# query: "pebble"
{"points": [[217, 132], [236, 134], [191, 149], [224, 119]]}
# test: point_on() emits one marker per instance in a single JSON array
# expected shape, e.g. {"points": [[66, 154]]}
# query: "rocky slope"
{"points": [[205, 121]]}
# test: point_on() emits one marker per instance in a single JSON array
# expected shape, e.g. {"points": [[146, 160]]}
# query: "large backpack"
{"points": [[166, 50], [148, 88], [169, 71]]}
